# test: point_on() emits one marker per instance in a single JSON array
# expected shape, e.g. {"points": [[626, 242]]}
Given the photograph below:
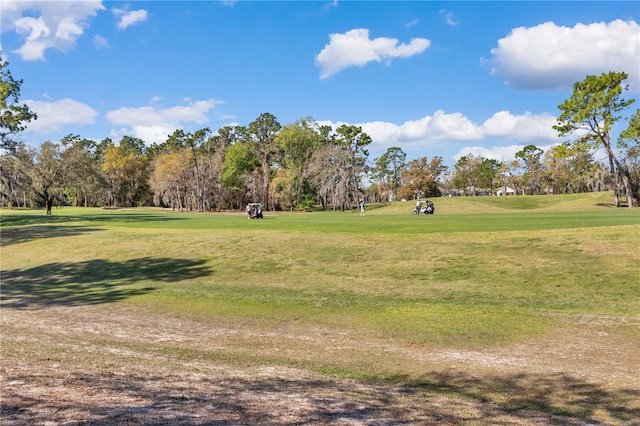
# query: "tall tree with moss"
{"points": [[238, 170], [262, 132], [297, 143], [171, 179], [84, 181], [126, 168], [15, 179], [353, 141], [590, 113], [14, 116], [216, 150], [193, 142], [47, 171]]}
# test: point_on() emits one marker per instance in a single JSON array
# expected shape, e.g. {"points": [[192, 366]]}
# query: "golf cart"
{"points": [[428, 208], [254, 210]]}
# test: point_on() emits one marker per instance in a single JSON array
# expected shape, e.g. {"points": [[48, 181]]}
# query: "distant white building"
{"points": [[505, 190]]}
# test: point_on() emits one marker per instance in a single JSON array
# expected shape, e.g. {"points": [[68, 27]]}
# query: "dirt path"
{"points": [[113, 365]]}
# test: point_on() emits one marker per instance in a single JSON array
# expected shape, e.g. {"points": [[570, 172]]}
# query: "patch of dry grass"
{"points": [[113, 365]]}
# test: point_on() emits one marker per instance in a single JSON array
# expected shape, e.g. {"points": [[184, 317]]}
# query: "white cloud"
{"points": [[549, 56], [149, 134], [153, 124], [68, 29], [326, 7], [53, 116], [412, 23], [355, 48], [455, 127], [527, 127], [47, 24], [443, 128], [100, 42], [448, 18], [36, 34], [129, 17], [501, 153]]}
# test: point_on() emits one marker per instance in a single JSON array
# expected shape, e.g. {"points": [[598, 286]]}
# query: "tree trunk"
{"points": [[49, 203], [265, 183], [616, 185], [619, 173], [626, 181]]}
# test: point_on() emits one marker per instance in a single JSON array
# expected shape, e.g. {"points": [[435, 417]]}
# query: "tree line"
{"points": [[292, 167], [303, 164]]}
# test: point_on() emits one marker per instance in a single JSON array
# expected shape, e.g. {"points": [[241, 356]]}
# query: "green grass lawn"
{"points": [[478, 273]]}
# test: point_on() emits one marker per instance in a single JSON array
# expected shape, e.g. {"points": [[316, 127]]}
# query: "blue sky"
{"points": [[433, 78]]}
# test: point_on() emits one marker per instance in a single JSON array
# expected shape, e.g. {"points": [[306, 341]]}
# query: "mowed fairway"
{"points": [[510, 310]]}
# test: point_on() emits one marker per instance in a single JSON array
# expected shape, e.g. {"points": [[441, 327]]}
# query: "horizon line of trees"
{"points": [[304, 164]]}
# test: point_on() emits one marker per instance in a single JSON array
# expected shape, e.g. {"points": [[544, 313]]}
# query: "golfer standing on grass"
{"points": [[362, 209]]}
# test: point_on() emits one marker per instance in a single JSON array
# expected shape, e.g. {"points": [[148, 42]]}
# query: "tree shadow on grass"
{"points": [[7, 220], [37, 232], [452, 398], [23, 228], [91, 282], [538, 399]]}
